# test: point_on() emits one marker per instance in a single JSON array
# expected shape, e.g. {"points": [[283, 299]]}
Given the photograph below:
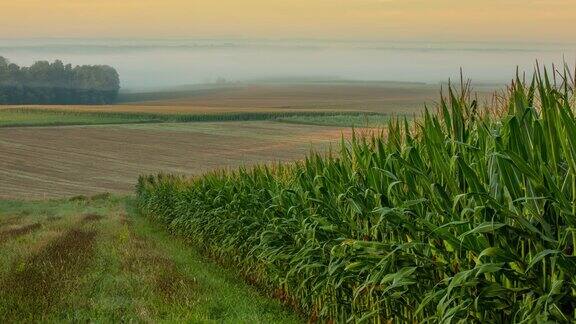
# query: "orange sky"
{"points": [[523, 20]]}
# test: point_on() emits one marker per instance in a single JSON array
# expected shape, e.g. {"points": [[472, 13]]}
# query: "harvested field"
{"points": [[48, 162], [385, 97], [378, 97]]}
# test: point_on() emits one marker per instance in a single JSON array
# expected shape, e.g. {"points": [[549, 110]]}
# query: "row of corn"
{"points": [[467, 214]]}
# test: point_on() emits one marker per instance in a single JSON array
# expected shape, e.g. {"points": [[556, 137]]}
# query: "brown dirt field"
{"points": [[51, 162]]}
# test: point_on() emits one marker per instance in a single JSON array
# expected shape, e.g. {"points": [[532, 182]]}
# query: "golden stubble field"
{"points": [[51, 162]]}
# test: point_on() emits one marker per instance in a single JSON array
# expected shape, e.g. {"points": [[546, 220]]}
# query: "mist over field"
{"points": [[157, 64]]}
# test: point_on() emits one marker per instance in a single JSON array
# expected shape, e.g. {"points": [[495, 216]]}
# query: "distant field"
{"points": [[21, 117], [162, 108], [51, 117], [338, 120], [48, 162], [383, 98]]}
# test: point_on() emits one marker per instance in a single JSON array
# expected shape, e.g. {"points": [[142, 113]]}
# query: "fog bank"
{"points": [[154, 64]]}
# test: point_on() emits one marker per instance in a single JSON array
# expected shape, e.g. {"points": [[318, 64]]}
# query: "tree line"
{"points": [[57, 83]]}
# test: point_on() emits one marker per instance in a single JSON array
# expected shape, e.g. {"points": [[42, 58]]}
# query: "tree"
{"points": [[55, 83]]}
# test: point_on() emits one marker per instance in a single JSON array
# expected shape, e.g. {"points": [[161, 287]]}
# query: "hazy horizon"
{"points": [[165, 63], [160, 44]]}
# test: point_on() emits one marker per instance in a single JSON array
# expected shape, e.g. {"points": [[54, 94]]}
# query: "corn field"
{"points": [[466, 214], [22, 116]]}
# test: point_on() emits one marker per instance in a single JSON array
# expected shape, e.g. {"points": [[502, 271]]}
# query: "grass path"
{"points": [[95, 260]]}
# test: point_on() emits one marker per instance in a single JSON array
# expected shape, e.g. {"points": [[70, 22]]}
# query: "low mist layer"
{"points": [[156, 64]]}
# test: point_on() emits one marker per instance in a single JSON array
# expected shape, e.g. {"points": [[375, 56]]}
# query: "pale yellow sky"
{"points": [[522, 20]]}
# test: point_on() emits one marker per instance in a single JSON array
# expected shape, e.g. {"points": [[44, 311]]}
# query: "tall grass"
{"points": [[465, 214]]}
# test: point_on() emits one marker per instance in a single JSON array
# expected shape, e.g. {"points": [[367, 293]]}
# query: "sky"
{"points": [[398, 20]]}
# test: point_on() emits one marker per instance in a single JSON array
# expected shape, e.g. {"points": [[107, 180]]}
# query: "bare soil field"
{"points": [[51, 162]]}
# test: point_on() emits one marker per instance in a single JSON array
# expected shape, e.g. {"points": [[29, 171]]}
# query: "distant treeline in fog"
{"points": [[56, 83]]}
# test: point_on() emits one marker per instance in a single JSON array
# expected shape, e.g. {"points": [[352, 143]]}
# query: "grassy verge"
{"points": [[91, 259], [30, 117]]}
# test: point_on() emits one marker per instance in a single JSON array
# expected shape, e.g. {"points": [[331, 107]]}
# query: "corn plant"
{"points": [[466, 214]]}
